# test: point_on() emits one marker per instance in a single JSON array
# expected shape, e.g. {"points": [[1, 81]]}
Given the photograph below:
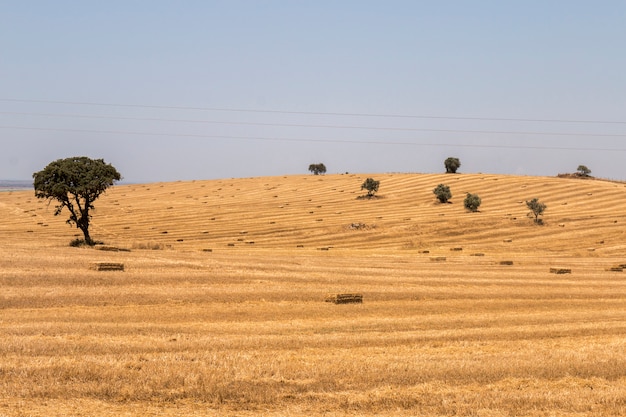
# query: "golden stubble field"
{"points": [[220, 309]]}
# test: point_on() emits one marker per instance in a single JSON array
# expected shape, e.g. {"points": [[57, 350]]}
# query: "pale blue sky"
{"points": [[176, 67]]}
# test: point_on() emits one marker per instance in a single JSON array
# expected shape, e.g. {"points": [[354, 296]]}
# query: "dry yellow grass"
{"points": [[244, 329]]}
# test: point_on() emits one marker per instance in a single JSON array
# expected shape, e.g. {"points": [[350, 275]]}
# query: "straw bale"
{"points": [[560, 271], [107, 266], [344, 298]]}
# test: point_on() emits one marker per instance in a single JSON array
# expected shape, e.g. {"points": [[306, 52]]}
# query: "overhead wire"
{"points": [[336, 141], [313, 126], [317, 113], [316, 126]]}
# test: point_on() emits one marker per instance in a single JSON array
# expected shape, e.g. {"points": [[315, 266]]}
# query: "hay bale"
{"points": [[560, 271], [506, 262], [438, 259], [424, 251], [618, 268], [456, 249], [477, 254], [344, 298], [107, 266]]}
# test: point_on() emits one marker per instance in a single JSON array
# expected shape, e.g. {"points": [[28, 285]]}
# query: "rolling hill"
{"points": [[323, 211], [220, 308]]}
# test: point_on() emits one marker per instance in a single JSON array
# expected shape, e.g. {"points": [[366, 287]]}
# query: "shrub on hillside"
{"points": [[472, 202], [536, 209], [371, 186], [443, 193]]}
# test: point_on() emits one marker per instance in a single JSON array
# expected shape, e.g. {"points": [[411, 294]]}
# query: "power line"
{"points": [[395, 129], [372, 115], [338, 141]]}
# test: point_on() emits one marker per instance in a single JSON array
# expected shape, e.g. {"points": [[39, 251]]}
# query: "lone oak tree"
{"points": [[536, 209], [317, 169], [583, 171], [371, 185], [75, 183], [452, 164]]}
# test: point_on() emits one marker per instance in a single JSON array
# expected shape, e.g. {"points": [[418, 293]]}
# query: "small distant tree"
{"points": [[472, 202], [371, 186], [583, 171], [452, 164], [536, 209], [317, 169], [442, 192], [75, 183]]}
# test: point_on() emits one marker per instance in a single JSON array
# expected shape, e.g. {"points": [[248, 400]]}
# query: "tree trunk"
{"points": [[85, 231], [83, 224]]}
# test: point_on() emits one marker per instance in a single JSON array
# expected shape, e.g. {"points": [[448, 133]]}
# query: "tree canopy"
{"points": [[583, 171], [443, 193], [75, 183], [317, 169], [452, 164], [472, 202], [371, 185], [536, 209]]}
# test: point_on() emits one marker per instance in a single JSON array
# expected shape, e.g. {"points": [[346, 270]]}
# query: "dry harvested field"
{"points": [[220, 307]]}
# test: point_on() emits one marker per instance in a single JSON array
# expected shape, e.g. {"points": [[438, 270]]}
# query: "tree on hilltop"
{"points": [[75, 183], [317, 169], [583, 171], [452, 164]]}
